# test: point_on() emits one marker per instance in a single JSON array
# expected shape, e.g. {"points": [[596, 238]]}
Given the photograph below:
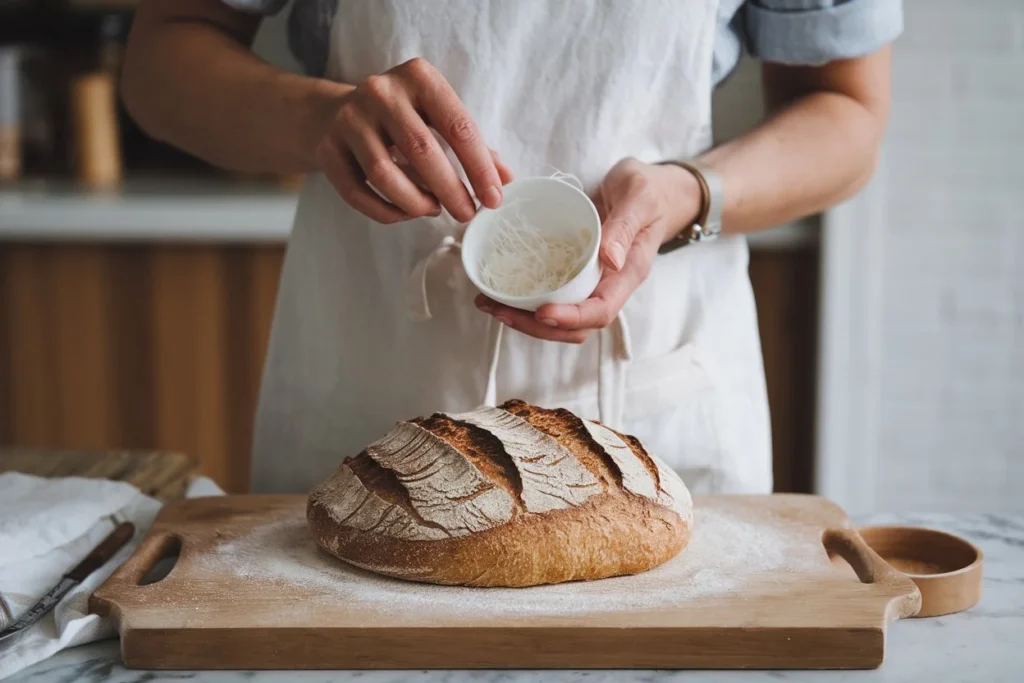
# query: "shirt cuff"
{"points": [[812, 37], [266, 7]]}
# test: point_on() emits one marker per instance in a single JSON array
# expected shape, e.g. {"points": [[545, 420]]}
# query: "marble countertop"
{"points": [[985, 643]]}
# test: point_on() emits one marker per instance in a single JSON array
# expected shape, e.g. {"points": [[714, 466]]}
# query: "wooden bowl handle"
{"points": [[125, 579], [871, 568]]}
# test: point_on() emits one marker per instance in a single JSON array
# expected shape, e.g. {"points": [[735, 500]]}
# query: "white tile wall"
{"points": [[952, 404]]}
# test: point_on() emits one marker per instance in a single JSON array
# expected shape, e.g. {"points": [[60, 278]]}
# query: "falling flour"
{"points": [[726, 553]]}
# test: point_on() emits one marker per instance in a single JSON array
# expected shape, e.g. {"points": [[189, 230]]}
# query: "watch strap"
{"points": [[709, 219]]}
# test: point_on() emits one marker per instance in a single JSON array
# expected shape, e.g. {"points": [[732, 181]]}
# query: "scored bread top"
{"points": [[451, 475]]}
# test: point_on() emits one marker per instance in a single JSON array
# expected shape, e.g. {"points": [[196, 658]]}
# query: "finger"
{"points": [[385, 175], [611, 294], [408, 169], [504, 172], [414, 176], [417, 144], [344, 174], [595, 313], [525, 322], [447, 115]]}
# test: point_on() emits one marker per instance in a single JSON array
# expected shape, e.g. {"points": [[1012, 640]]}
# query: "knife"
{"points": [[99, 556]]}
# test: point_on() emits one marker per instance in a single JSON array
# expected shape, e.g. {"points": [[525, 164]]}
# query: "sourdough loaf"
{"points": [[509, 496]]}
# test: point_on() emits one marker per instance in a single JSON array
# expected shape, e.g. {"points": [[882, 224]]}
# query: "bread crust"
{"points": [[363, 516]]}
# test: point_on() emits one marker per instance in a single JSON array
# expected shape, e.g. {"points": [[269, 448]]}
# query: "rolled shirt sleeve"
{"points": [[813, 32], [309, 27]]}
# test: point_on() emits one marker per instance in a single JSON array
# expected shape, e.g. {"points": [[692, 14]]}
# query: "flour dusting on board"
{"points": [[725, 553]]}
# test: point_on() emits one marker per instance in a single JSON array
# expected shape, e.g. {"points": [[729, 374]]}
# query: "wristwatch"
{"points": [[709, 220]]}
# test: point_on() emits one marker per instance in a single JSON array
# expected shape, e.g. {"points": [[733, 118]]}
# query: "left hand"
{"points": [[641, 206]]}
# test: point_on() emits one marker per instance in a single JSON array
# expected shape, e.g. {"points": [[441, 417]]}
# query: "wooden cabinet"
{"points": [[135, 347], [786, 287], [161, 347]]}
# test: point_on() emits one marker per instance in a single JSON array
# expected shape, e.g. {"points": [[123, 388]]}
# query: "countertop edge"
{"points": [[226, 216]]}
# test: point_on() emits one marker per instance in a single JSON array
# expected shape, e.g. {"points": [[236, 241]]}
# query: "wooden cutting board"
{"points": [[755, 588]]}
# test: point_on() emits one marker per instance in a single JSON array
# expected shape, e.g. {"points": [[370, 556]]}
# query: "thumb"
{"points": [[617, 235]]}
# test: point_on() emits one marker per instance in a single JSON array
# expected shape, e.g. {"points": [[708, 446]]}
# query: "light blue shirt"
{"points": [[807, 32]]}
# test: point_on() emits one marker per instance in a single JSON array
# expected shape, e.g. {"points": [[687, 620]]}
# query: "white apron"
{"points": [[573, 85]]}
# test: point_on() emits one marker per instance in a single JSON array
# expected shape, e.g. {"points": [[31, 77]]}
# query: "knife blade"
{"points": [[99, 556]]}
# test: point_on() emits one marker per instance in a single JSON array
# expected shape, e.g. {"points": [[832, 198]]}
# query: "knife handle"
{"points": [[121, 534]]}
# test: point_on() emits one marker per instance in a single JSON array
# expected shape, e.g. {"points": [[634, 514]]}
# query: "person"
{"points": [[411, 115]]}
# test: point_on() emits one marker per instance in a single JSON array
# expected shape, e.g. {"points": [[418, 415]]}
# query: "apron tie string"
{"points": [[614, 352], [417, 301], [495, 331]]}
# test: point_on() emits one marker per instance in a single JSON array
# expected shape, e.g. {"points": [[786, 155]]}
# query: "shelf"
{"points": [[174, 210]]}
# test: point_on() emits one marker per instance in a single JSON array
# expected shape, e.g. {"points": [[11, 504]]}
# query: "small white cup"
{"points": [[554, 206]]}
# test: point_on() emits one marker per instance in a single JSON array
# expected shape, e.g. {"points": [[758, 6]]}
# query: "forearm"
{"points": [[817, 152], [191, 80], [818, 148]]}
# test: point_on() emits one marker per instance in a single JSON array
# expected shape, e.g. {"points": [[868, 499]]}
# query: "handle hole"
{"points": [[840, 564], [167, 558], [849, 555]]}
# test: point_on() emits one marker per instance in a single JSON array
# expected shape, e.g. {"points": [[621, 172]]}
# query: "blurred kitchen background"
{"points": [[137, 284]]}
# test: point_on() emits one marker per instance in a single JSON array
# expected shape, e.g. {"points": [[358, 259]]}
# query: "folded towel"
{"points": [[47, 526]]}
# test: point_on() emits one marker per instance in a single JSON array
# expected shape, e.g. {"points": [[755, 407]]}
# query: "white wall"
{"points": [[952, 324]]}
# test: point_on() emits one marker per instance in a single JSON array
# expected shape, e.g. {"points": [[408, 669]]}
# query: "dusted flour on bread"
{"points": [[509, 496], [552, 479]]}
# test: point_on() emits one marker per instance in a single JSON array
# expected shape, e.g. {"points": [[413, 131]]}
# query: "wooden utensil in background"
{"points": [[97, 144], [98, 159]]}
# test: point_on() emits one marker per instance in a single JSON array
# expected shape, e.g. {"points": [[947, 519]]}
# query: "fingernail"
{"points": [[492, 197], [504, 320], [550, 322], [616, 254], [485, 307]]}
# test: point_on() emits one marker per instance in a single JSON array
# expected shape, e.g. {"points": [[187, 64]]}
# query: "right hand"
{"points": [[395, 111]]}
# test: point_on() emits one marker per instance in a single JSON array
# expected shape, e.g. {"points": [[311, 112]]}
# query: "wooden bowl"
{"points": [[946, 568]]}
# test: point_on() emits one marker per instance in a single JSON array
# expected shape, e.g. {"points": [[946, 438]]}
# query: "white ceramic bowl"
{"points": [[552, 205]]}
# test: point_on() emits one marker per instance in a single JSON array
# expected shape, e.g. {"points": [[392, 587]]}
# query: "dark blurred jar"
{"points": [[10, 113]]}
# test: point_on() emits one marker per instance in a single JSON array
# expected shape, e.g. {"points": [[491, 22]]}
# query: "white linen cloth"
{"points": [[47, 526]]}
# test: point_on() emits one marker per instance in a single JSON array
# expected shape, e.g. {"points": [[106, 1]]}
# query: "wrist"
{"points": [[320, 109], [682, 198]]}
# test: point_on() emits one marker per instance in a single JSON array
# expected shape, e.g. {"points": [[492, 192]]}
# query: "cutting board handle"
{"points": [[871, 568], [125, 579]]}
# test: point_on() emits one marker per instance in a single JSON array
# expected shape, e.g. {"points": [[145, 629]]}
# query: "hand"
{"points": [[385, 123], [641, 207]]}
